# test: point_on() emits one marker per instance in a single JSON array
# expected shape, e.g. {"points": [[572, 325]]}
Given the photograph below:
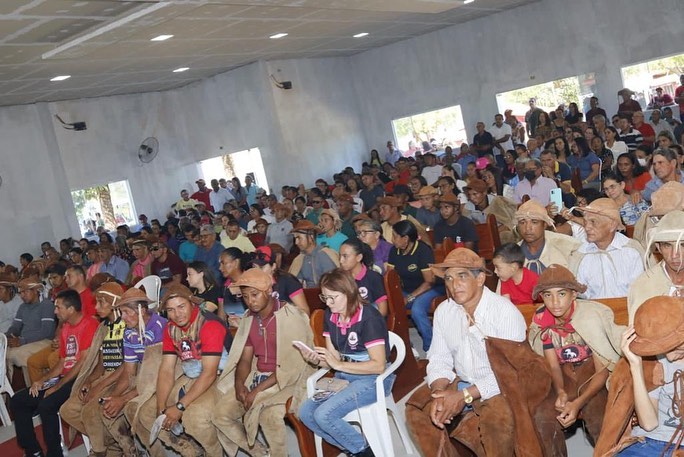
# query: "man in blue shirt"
{"points": [[112, 264], [665, 169], [209, 250]]}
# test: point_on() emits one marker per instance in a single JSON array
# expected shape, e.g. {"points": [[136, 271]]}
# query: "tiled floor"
{"points": [[577, 444]]}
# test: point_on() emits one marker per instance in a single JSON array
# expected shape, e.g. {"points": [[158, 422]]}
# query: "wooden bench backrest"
{"points": [[619, 307], [313, 299], [489, 240]]}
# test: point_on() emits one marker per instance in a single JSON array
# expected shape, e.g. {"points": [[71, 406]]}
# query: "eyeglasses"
{"points": [[155, 248], [328, 298], [361, 233]]}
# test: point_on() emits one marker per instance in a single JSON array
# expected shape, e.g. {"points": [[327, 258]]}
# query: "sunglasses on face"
{"points": [[155, 248], [316, 202]]}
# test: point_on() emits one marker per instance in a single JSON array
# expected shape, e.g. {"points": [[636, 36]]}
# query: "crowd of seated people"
{"points": [[235, 263]]}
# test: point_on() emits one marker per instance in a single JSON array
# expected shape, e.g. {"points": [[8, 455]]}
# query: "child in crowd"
{"points": [[581, 344], [515, 281]]}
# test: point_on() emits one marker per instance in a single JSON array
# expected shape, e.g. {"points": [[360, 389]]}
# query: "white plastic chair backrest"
{"points": [[3, 361], [152, 285], [395, 342]]}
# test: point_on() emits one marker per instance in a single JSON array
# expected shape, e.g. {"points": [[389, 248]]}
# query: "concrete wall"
{"points": [[338, 109], [303, 134], [469, 64]]}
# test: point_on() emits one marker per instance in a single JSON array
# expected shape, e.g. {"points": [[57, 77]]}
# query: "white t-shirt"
{"points": [[667, 421], [432, 174], [500, 132]]}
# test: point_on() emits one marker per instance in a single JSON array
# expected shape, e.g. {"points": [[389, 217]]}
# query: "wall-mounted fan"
{"points": [[148, 150]]}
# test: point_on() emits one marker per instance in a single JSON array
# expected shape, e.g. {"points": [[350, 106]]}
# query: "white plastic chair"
{"points": [[5, 386], [373, 418], [152, 285]]}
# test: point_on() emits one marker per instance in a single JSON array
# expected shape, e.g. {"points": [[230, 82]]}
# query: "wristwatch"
{"points": [[467, 397], [181, 407]]}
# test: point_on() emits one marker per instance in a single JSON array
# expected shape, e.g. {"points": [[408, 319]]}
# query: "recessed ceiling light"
{"points": [[60, 78], [181, 69], [278, 35], [465, 2], [361, 35], [161, 38]]}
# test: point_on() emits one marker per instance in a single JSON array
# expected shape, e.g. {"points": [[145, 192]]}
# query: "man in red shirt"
{"points": [[199, 341], [646, 130], [47, 395], [628, 105], [202, 195], [75, 278], [679, 97]]}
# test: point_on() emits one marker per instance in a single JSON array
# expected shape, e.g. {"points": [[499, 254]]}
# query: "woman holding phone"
{"points": [[357, 349]]}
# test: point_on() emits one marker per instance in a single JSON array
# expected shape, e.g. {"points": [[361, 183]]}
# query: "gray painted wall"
{"points": [[338, 109]]}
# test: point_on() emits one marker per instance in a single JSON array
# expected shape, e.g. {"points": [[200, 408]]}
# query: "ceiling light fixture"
{"points": [[181, 69], [278, 35], [104, 29], [161, 38], [465, 2], [60, 78], [361, 35]]}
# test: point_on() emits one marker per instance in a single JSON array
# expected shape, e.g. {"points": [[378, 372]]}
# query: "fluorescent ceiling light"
{"points": [[181, 69], [104, 29], [361, 35], [161, 38], [60, 78], [278, 35], [465, 2]]}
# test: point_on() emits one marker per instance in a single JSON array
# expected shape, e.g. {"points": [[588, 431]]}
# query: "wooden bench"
{"points": [[619, 307], [412, 371]]}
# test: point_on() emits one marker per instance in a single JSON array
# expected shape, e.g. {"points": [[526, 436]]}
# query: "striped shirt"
{"points": [[133, 349], [460, 348]]}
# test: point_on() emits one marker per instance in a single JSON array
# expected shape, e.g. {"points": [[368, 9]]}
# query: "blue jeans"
{"points": [[325, 418], [648, 448], [419, 313]]}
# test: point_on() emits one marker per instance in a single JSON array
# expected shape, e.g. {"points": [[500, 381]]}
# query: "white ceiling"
{"points": [[107, 53]]}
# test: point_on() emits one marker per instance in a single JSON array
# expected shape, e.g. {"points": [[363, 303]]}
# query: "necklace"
{"points": [[263, 325]]}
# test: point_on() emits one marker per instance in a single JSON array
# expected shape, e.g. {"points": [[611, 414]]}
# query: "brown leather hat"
{"points": [[604, 207], [476, 185], [427, 190], [111, 291], [389, 201], [659, 326], [450, 199], [176, 290], [131, 296], [533, 210], [557, 276], [669, 197], [255, 277], [7, 280], [459, 258], [304, 226]]}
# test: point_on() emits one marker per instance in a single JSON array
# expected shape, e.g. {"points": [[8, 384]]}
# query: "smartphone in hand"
{"points": [[556, 198]]}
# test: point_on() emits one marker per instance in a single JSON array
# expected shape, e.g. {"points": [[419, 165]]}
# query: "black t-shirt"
{"points": [[211, 294], [410, 266], [371, 285], [484, 139], [367, 328], [287, 286], [463, 228]]}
